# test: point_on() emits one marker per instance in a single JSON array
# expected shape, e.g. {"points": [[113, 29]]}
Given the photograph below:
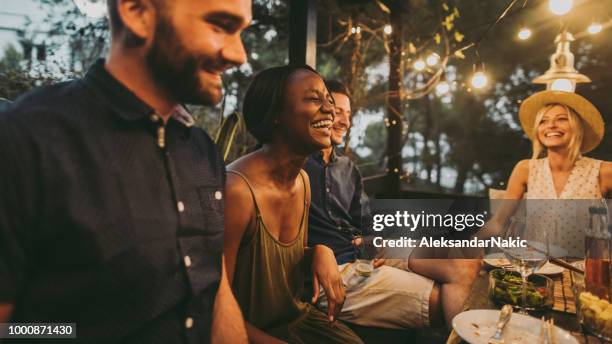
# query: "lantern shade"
{"points": [[562, 65]]}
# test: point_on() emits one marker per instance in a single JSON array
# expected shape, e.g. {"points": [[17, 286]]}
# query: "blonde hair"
{"points": [[576, 124]]}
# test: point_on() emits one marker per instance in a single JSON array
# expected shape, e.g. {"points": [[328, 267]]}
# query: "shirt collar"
{"points": [[332, 158], [119, 98], [181, 115], [124, 102]]}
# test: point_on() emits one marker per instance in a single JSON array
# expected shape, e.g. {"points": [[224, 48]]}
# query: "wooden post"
{"points": [[303, 32], [394, 99]]}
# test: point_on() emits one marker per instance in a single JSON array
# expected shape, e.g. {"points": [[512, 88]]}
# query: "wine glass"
{"points": [[525, 259]]}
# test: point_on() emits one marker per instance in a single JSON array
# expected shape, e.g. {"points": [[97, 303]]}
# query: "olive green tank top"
{"points": [[269, 275]]}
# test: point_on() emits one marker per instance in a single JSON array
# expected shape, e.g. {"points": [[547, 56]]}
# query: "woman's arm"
{"points": [[324, 268], [227, 317], [239, 218], [605, 179], [517, 185]]}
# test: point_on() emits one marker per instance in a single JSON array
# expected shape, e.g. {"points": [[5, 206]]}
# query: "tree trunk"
{"points": [[462, 174], [426, 156], [394, 98], [438, 159]]}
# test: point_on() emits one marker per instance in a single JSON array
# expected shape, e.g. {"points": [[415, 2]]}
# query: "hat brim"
{"points": [[594, 124]]}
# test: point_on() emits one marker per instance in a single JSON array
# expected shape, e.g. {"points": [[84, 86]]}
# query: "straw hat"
{"points": [[593, 123]]}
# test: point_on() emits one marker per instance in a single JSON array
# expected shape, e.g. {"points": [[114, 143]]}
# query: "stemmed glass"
{"points": [[526, 259]]}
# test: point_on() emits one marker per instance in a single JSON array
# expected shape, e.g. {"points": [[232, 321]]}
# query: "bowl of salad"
{"points": [[505, 287]]}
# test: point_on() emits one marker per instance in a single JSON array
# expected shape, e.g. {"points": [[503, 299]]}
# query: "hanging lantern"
{"points": [[562, 76]]}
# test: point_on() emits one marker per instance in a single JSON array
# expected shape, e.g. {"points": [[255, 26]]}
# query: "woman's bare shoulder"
{"points": [[522, 168]]}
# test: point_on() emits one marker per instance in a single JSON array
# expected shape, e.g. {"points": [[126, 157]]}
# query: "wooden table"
{"points": [[479, 299]]}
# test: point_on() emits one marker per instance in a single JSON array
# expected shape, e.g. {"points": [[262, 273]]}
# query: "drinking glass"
{"points": [[526, 259]]}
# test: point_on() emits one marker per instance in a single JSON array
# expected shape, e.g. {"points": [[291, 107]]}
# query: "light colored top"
{"points": [[565, 217], [582, 183]]}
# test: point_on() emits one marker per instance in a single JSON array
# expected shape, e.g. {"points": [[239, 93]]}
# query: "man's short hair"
{"points": [[335, 86], [115, 23]]}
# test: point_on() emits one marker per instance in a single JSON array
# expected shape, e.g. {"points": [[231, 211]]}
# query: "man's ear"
{"points": [[138, 17]]}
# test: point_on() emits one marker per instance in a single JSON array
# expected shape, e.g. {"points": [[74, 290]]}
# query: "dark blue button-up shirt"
{"points": [[108, 218], [339, 208]]}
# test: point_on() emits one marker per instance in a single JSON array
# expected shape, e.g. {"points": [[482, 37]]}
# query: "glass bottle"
{"points": [[597, 254]]}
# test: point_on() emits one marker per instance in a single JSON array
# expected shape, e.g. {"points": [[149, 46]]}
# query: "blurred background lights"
{"points": [[442, 88], [433, 59], [419, 65], [92, 8]]}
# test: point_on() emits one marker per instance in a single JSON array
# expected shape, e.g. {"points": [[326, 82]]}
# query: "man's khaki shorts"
{"points": [[389, 298]]}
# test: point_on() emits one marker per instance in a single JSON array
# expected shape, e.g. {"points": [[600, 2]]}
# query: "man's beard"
{"points": [[176, 70]]}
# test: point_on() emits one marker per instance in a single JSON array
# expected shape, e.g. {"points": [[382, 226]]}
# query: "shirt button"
{"points": [[189, 322], [180, 206], [187, 261], [218, 195]]}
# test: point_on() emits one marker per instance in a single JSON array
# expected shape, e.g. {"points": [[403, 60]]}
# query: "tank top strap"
{"points": [[257, 212], [304, 183]]}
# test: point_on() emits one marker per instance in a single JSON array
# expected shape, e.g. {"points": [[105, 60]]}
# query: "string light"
{"points": [[479, 78], [560, 7], [388, 29], [524, 33], [419, 65], [432, 59], [355, 29], [595, 28]]}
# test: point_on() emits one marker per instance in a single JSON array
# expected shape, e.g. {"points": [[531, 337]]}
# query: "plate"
{"points": [[499, 260], [477, 326]]}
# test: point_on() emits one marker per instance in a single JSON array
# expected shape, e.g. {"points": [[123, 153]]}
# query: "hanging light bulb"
{"points": [[432, 59], [92, 8], [563, 85], [479, 78], [524, 33], [388, 29], [442, 87], [560, 7], [419, 65], [595, 28]]}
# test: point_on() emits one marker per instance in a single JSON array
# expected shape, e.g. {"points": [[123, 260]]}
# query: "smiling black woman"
{"points": [[290, 112]]}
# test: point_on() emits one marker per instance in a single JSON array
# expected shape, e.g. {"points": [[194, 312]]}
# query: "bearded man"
{"points": [[111, 201]]}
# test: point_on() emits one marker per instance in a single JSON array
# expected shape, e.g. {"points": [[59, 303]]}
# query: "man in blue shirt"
{"points": [[410, 293]]}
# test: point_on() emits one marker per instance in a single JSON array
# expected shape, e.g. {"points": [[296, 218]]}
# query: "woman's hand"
{"points": [[325, 271]]}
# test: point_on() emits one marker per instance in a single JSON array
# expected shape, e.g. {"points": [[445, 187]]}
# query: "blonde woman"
{"points": [[562, 127]]}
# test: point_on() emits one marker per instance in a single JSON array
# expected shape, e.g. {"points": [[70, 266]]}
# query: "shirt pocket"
{"points": [[212, 204]]}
